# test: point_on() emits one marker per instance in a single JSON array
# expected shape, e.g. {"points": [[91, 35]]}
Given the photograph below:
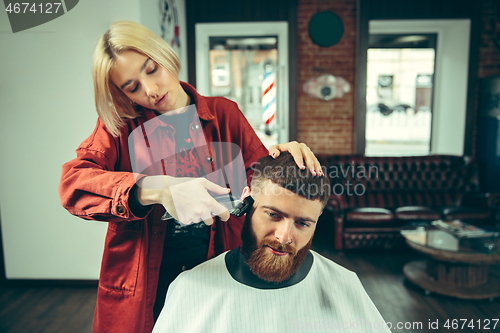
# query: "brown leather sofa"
{"points": [[372, 197]]}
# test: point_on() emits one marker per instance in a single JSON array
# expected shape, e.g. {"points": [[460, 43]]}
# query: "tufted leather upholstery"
{"points": [[415, 213], [370, 215], [371, 197]]}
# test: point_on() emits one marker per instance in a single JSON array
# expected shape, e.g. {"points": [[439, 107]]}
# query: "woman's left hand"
{"points": [[300, 152]]}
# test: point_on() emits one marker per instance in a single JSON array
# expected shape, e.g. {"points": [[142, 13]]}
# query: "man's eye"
{"points": [[273, 215], [303, 224]]}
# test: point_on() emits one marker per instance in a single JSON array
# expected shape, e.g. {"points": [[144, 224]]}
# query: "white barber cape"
{"points": [[329, 299]]}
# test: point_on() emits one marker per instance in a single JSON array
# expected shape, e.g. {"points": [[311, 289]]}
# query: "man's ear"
{"points": [[246, 192]]}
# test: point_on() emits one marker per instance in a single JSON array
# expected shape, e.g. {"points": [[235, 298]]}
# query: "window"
{"points": [[400, 71]]}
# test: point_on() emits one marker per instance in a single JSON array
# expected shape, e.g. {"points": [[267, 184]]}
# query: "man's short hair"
{"points": [[283, 171]]}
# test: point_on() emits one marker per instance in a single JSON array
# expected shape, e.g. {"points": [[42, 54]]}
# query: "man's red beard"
{"points": [[263, 263]]}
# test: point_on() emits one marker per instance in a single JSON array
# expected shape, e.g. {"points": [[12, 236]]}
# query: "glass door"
{"points": [[249, 69]]}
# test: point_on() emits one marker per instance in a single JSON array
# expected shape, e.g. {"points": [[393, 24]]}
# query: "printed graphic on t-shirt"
{"points": [[188, 164]]}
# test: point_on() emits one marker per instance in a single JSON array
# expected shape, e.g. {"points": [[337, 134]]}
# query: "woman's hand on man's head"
{"points": [[300, 152]]}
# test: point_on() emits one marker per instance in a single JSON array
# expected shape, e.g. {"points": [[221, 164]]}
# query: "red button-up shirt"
{"points": [[96, 186]]}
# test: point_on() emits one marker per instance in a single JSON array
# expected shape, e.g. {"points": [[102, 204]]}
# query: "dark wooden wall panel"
{"points": [[240, 11], [422, 9]]}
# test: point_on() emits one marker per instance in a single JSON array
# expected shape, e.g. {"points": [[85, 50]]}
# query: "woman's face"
{"points": [[147, 83]]}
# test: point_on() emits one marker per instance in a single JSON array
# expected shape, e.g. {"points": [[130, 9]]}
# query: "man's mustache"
{"points": [[279, 246]]}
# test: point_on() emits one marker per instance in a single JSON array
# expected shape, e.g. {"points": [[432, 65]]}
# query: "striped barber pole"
{"points": [[269, 95]]}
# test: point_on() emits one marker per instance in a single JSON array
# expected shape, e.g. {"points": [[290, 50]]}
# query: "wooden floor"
{"points": [[48, 310], [70, 309]]}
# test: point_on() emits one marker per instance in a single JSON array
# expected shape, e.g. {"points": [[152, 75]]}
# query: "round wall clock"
{"points": [[326, 28]]}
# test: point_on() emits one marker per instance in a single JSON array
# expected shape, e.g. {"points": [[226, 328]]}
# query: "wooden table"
{"points": [[462, 275]]}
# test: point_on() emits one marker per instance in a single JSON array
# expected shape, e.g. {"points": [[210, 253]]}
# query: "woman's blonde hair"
{"points": [[111, 103]]}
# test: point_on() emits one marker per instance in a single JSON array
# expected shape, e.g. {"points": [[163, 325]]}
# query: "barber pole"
{"points": [[269, 95]]}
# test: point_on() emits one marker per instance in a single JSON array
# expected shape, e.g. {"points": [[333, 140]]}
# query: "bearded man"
{"points": [[273, 282]]}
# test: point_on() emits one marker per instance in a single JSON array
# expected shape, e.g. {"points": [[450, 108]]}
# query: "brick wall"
{"points": [[489, 54], [326, 126]]}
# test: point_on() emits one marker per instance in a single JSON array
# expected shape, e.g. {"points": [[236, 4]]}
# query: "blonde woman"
{"points": [[137, 90]]}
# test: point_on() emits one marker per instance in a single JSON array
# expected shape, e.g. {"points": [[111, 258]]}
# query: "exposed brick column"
{"points": [[326, 126], [489, 54]]}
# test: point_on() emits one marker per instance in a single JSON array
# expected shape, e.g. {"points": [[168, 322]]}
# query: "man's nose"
{"points": [[283, 231]]}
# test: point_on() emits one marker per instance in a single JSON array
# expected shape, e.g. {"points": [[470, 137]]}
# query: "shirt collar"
{"points": [[201, 105], [241, 272]]}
